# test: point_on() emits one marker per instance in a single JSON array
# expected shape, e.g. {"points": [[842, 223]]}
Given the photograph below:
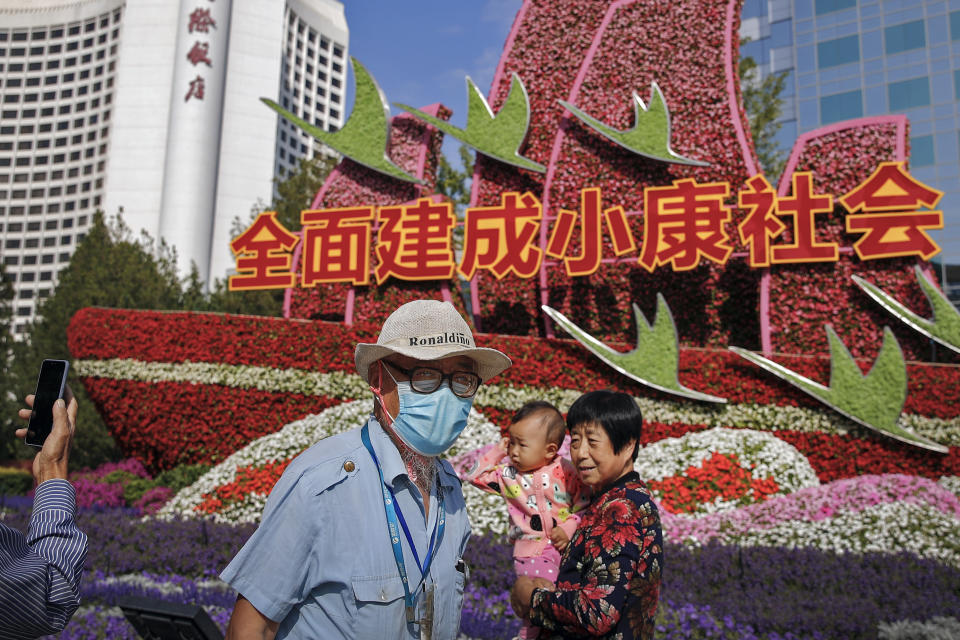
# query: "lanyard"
{"points": [[393, 513]]}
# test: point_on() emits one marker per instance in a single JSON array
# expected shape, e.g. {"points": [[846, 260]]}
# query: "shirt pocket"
{"points": [[379, 606], [449, 601]]}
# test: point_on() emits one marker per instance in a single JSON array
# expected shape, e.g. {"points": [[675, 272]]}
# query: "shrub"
{"points": [[15, 482]]}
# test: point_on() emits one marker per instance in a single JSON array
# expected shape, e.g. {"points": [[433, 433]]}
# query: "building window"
{"points": [[908, 94], [921, 151], [955, 25], [903, 37], [829, 6], [841, 106]]}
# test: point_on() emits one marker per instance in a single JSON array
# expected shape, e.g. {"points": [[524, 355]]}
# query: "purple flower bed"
{"points": [[715, 591], [805, 591], [121, 543]]}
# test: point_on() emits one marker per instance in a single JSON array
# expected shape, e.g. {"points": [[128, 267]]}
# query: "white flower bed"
{"points": [[771, 456], [348, 386], [951, 484], [888, 528], [290, 441], [920, 528]]}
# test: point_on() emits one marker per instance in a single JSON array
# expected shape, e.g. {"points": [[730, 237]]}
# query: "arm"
{"points": [[40, 579], [40, 574], [620, 552], [579, 500], [485, 474], [246, 623]]}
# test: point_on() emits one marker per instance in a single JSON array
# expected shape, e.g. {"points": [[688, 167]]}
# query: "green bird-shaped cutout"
{"points": [[365, 136], [655, 360], [874, 400], [944, 327], [496, 136], [650, 135]]}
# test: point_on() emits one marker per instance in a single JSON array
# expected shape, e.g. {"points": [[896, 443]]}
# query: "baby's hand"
{"points": [[559, 538], [503, 444]]}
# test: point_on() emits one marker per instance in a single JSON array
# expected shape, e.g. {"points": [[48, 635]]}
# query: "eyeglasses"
{"points": [[427, 380]]}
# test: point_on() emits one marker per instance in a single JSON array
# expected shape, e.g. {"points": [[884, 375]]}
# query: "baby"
{"points": [[542, 490]]}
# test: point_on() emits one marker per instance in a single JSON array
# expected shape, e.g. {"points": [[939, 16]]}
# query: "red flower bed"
{"points": [[249, 479], [835, 456], [720, 476], [165, 424], [934, 390]]}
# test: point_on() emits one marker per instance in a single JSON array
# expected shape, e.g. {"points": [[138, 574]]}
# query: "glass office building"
{"points": [[848, 58]]}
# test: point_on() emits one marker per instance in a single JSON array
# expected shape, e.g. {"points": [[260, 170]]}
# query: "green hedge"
{"points": [[15, 482]]}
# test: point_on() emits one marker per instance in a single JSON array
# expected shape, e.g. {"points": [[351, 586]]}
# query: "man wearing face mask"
{"points": [[363, 536]]}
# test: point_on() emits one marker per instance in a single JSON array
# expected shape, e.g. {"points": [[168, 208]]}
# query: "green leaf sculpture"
{"points": [[496, 136], [874, 400], [944, 327], [655, 360], [365, 136], [650, 135]]}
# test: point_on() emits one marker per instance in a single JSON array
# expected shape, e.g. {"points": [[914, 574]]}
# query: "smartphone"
{"points": [[50, 386]]}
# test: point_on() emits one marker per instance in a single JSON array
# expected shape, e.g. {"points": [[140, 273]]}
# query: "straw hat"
{"points": [[428, 330]]}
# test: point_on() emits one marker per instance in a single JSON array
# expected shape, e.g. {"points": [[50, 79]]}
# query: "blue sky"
{"points": [[421, 51]]}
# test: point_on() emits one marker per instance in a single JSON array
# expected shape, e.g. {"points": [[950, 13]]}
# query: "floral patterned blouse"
{"points": [[609, 580]]}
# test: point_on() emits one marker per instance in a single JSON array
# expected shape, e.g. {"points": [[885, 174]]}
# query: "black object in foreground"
{"points": [[161, 620]]}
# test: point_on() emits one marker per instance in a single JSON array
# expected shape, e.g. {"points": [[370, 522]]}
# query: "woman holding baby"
{"points": [[608, 583]]}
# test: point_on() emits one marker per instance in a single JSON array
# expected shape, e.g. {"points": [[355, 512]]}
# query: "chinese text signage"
{"points": [[684, 224]]}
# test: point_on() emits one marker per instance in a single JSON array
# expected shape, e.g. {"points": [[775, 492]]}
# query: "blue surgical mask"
{"points": [[429, 423]]}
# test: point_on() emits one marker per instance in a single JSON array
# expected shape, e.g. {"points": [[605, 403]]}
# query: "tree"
{"points": [[9, 403], [762, 102], [296, 192], [452, 182], [109, 269]]}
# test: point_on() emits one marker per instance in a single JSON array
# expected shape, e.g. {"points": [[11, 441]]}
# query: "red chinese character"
{"points": [[195, 90], [270, 247], [198, 54], [685, 222], [590, 239], [201, 21], [336, 245], [500, 238], [761, 224], [891, 224], [414, 241], [802, 207]]}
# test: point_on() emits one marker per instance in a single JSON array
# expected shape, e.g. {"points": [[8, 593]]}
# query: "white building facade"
{"points": [[153, 107]]}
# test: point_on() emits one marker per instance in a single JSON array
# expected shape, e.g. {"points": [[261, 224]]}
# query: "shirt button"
{"points": [[348, 466], [383, 595]]}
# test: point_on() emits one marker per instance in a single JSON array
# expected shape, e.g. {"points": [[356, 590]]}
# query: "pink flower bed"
{"points": [[814, 504]]}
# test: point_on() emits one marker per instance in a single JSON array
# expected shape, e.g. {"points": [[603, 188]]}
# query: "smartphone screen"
{"points": [[50, 386]]}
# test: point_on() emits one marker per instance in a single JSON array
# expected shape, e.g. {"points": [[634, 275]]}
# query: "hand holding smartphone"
{"points": [[51, 384]]}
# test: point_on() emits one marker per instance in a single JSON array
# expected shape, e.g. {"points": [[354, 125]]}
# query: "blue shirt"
{"points": [[321, 562], [40, 573]]}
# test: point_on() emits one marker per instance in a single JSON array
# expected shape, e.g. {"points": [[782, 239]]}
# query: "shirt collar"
{"points": [[391, 464], [630, 476]]}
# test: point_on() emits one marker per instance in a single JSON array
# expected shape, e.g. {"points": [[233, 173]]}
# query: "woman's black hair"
{"points": [[616, 412]]}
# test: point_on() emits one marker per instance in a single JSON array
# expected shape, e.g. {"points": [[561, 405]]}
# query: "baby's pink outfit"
{"points": [[537, 501]]}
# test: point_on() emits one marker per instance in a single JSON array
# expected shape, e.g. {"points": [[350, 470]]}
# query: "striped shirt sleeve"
{"points": [[40, 573]]}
